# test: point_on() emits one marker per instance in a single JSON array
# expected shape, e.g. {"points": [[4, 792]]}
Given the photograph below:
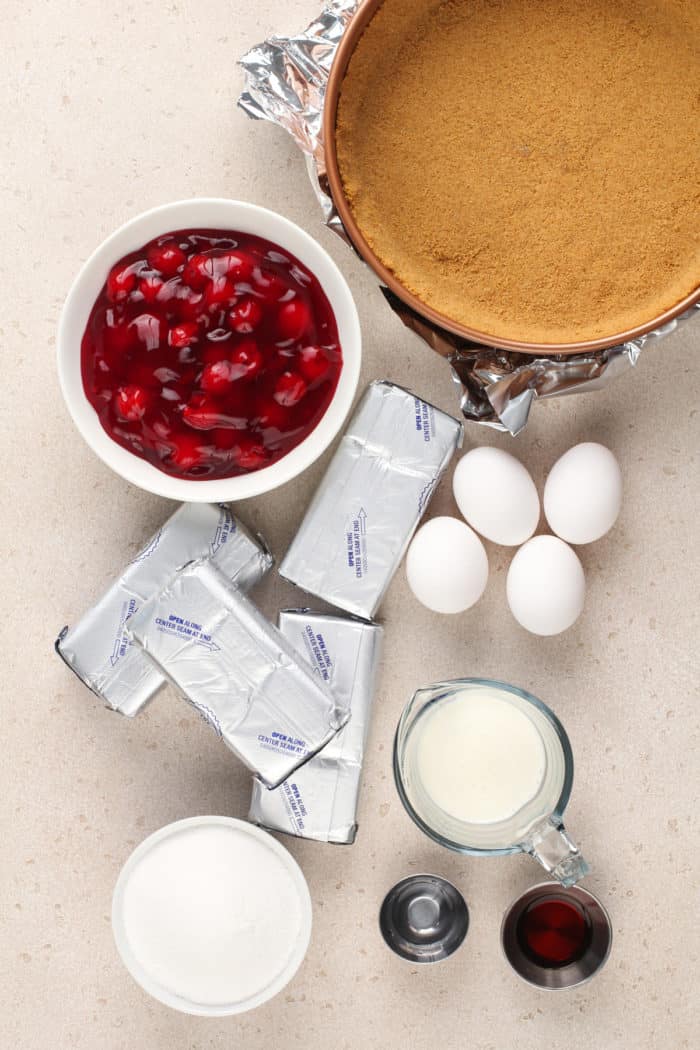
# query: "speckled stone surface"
{"points": [[112, 109]]}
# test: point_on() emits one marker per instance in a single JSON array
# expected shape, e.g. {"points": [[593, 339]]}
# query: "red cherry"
{"points": [[293, 320], [313, 363], [183, 334], [270, 287], [227, 438], [289, 389], [202, 412], [121, 282], [271, 414], [168, 258], [131, 402], [151, 287], [190, 305], [245, 316], [218, 293], [187, 451], [250, 453], [238, 265], [218, 376], [197, 271], [148, 329], [246, 359]]}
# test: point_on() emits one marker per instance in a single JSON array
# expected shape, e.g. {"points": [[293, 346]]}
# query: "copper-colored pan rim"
{"points": [[342, 57]]}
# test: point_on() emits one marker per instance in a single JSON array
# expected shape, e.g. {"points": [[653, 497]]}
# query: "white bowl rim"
{"points": [[177, 1002], [241, 214]]}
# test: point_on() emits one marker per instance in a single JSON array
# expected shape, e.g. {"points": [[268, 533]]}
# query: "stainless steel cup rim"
{"points": [[441, 929], [576, 973], [449, 685]]}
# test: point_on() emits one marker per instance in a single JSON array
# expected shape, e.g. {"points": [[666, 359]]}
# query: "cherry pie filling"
{"points": [[210, 353]]}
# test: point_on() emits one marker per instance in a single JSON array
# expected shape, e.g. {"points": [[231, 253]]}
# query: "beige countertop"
{"points": [[108, 110]]}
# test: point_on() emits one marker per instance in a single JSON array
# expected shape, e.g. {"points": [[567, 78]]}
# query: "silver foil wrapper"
{"points": [[98, 648], [319, 801], [285, 82], [241, 674], [371, 498]]}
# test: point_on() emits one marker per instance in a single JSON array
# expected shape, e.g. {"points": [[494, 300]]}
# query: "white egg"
{"points": [[583, 493], [546, 587], [496, 495], [446, 566]]}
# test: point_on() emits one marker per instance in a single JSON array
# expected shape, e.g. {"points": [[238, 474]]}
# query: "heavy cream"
{"points": [[479, 758]]}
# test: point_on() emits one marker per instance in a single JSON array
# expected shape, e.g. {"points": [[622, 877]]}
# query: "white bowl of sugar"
{"points": [[211, 916]]}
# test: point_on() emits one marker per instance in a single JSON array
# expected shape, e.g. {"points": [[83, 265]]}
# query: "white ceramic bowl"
{"points": [[220, 214], [275, 982]]}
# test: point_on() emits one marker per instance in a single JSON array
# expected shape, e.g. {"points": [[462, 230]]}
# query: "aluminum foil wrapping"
{"points": [[371, 498], [320, 800], [285, 81], [98, 648], [241, 674]]}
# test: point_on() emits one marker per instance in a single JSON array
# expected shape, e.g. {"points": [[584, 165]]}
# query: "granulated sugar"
{"points": [[212, 914]]}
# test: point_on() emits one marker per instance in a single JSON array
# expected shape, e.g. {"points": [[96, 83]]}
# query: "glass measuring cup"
{"points": [[536, 826]]}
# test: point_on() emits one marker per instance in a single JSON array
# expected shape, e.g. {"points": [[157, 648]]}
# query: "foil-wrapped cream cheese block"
{"points": [[98, 648], [371, 499], [319, 801], [242, 675]]}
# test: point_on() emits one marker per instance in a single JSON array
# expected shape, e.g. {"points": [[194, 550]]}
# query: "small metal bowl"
{"points": [[574, 973], [424, 918]]}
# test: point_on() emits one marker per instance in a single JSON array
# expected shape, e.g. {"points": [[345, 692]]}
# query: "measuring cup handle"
{"points": [[550, 844]]}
